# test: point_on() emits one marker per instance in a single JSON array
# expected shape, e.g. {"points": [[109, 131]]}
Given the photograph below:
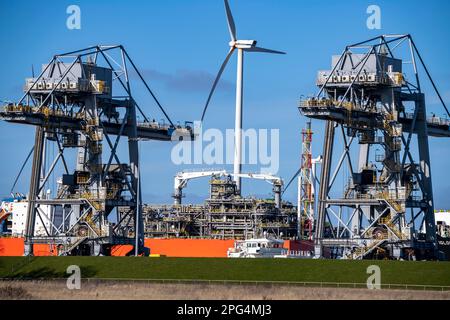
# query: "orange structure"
{"points": [[173, 247], [210, 248], [15, 247]]}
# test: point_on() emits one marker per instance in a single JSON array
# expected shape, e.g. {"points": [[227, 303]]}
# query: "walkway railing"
{"points": [[315, 284]]}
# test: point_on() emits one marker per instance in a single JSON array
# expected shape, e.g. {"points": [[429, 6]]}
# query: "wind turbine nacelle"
{"points": [[243, 44]]}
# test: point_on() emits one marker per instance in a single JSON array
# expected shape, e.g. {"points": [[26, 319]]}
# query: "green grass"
{"points": [[392, 272]]}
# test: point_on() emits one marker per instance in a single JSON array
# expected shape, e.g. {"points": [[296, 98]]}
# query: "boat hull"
{"points": [[170, 247]]}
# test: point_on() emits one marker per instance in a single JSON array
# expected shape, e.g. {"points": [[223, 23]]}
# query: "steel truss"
{"points": [[369, 103], [71, 103]]}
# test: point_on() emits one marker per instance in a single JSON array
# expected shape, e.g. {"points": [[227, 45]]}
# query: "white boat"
{"points": [[264, 248], [14, 211]]}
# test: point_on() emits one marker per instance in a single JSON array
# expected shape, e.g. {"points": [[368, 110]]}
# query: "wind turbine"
{"points": [[240, 46]]}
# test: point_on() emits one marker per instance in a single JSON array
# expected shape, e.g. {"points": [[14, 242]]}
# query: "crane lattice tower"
{"points": [[73, 104], [376, 107]]}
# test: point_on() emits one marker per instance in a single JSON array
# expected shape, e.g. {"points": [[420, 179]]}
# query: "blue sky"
{"points": [[180, 45]]}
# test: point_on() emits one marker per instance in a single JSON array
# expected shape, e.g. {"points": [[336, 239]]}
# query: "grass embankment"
{"points": [[393, 272]]}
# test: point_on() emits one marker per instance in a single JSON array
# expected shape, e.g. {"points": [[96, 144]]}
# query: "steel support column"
{"points": [[324, 183], [34, 187], [133, 149], [425, 166]]}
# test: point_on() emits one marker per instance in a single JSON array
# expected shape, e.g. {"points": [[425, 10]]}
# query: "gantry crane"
{"points": [[373, 96], [80, 100]]}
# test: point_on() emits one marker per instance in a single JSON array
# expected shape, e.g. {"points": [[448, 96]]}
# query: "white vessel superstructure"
{"points": [[264, 248]]}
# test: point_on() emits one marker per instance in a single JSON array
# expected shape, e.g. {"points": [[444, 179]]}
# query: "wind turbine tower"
{"points": [[241, 46]]}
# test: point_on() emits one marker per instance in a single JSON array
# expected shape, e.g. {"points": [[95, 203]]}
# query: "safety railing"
{"points": [[316, 284]]}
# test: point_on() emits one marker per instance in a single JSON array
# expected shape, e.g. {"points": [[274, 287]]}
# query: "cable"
{"points": [[21, 169]]}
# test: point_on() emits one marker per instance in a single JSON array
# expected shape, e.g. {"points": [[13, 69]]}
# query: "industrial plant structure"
{"points": [[73, 104], [227, 213], [82, 102], [79, 100]]}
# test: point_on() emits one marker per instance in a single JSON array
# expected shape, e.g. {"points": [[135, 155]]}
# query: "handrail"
{"points": [[254, 282]]}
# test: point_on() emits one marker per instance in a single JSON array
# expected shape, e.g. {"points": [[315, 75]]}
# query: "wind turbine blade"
{"points": [[230, 20], [292, 179], [258, 49], [219, 74]]}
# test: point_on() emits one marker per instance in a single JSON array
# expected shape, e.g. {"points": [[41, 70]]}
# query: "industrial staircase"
{"points": [[92, 225], [392, 203], [391, 227], [92, 201], [72, 246], [361, 252]]}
